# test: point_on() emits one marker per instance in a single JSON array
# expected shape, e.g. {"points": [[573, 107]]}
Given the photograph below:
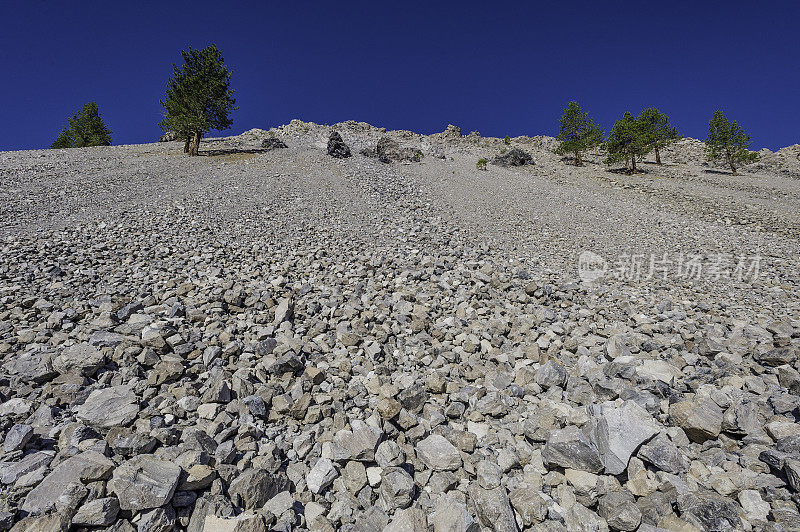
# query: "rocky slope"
{"points": [[272, 338]]}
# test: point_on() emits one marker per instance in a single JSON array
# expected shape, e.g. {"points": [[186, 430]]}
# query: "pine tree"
{"points": [[85, 128], [63, 140], [657, 130], [199, 97], [728, 139], [626, 142], [578, 132]]}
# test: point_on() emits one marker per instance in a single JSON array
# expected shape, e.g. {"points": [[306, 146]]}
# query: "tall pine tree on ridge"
{"points": [[199, 97]]}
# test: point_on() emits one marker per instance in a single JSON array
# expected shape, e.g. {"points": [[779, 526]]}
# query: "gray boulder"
{"points": [[619, 510], [110, 407], [82, 358], [396, 489], [85, 467], [144, 482], [106, 339], [358, 444], [245, 522], [254, 487], [438, 454], [709, 511], [10, 472], [618, 432], [36, 367], [571, 448], [777, 357], [531, 505], [493, 508], [321, 475], [157, 520], [99, 512], [17, 438], [551, 374], [408, 520], [450, 515], [664, 454], [700, 419]]}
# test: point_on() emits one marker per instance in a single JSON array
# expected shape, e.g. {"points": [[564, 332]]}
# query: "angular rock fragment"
{"points": [[531, 505], [109, 407], [617, 432], [254, 487], [17, 437], [85, 467], [709, 511], [245, 522], [619, 510], [777, 357], [408, 520], [105, 339], [144, 482], [551, 374], [389, 150], [449, 515], [10, 472], [493, 508], [664, 454], [396, 489], [85, 359], [700, 419], [321, 475], [99, 512], [357, 444], [438, 454], [158, 519], [571, 448]]}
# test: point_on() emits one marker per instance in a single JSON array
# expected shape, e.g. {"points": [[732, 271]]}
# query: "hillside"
{"points": [[259, 339]]}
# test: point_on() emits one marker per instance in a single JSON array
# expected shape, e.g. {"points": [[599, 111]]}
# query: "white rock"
{"points": [[374, 475], [754, 506], [321, 475]]}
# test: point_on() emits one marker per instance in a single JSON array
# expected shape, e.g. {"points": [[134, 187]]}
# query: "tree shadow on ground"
{"points": [[719, 172], [622, 171], [586, 162], [231, 151]]}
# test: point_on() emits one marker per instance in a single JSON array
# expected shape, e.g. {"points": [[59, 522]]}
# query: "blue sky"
{"points": [[500, 68]]}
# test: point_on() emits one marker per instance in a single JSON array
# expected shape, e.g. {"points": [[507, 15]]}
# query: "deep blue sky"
{"points": [[498, 67]]}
